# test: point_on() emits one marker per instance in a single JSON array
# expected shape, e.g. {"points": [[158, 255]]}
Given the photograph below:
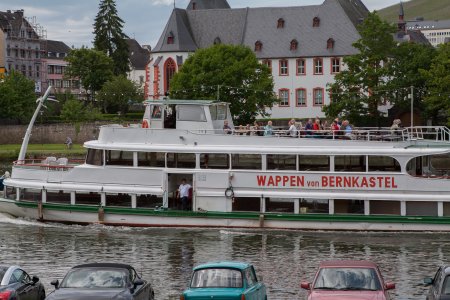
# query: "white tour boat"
{"points": [[371, 180]]}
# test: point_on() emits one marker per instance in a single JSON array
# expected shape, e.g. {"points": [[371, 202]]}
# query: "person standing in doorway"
{"points": [[183, 193]]}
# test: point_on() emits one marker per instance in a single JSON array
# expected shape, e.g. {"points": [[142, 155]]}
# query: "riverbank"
{"points": [[10, 152]]}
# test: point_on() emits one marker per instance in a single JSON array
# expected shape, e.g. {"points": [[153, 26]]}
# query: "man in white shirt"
{"points": [[292, 132], [183, 193]]}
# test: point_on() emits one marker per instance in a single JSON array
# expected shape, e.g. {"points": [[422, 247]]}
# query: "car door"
{"points": [[141, 292], [433, 293], [252, 287], [33, 289], [260, 287], [16, 282]]}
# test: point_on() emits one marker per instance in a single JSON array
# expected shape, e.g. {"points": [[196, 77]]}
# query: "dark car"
{"points": [[16, 284], [102, 281], [439, 285]]}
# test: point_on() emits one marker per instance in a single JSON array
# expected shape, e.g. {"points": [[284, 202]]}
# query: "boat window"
{"points": [[383, 163], [119, 158], [10, 192], [156, 112], [281, 162], [314, 206], [379, 207], [61, 197], [214, 161], [421, 208], [30, 194], [181, 160], [191, 113], [120, 200], [350, 163], [218, 112], [151, 159], [430, 166], [349, 206], [246, 204], [149, 201], [94, 157], [314, 163], [280, 205], [88, 198], [246, 161]]}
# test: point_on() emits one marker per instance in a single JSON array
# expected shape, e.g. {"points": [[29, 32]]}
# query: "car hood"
{"points": [[347, 295], [83, 294]]}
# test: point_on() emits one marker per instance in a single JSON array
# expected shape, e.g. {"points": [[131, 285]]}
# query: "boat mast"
{"points": [[26, 138]]}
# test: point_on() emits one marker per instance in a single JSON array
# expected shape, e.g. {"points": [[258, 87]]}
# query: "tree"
{"points": [[92, 67], [17, 100], [109, 37], [437, 101], [361, 88], [117, 94], [229, 73]]}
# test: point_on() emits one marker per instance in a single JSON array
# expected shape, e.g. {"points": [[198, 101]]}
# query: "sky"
{"points": [[71, 21]]}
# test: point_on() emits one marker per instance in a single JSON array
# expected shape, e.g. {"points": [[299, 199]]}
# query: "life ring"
{"points": [[145, 124]]}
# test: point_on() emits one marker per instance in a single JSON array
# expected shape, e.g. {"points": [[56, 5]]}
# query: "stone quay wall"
{"points": [[50, 133]]}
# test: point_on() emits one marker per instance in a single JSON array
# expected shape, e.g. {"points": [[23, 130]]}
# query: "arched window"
{"points": [[258, 46], [280, 23], [294, 45], [169, 70], [316, 22], [330, 43], [217, 41], [170, 38]]}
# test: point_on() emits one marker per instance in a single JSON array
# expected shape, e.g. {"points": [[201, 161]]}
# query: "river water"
{"points": [[166, 256]]}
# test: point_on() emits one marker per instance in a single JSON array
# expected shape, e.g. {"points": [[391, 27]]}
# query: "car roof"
{"points": [[104, 265], [348, 263], [223, 264]]}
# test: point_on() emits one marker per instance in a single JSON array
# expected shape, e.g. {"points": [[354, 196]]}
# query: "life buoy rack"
{"points": [[145, 124]]}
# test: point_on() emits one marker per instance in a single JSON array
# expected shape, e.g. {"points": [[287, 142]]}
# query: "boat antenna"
{"points": [[26, 138]]}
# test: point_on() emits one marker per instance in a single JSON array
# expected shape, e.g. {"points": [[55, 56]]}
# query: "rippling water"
{"points": [[166, 256]]}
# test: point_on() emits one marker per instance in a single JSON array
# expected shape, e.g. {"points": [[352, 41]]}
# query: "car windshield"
{"points": [[95, 278], [347, 279], [2, 272], [223, 278]]}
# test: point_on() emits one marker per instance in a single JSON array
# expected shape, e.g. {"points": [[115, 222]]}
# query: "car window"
{"points": [[17, 276], [347, 278], [437, 278], [2, 273], [250, 277], [446, 286], [133, 275], [95, 278], [215, 277]]}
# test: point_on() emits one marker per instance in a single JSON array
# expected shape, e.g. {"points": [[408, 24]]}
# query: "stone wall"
{"points": [[49, 134]]}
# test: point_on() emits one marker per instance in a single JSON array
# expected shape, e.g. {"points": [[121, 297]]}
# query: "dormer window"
{"points": [[258, 46], [294, 45], [330, 43], [217, 41], [170, 38], [316, 22], [280, 23]]}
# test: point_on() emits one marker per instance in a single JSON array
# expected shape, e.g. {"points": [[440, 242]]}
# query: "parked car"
{"points": [[439, 285], [225, 280], [102, 281], [348, 279], [16, 284]]}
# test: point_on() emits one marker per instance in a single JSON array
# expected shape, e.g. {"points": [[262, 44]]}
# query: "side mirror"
{"points": [[390, 285], [428, 280], [305, 285], [55, 283], [35, 279], [137, 282]]}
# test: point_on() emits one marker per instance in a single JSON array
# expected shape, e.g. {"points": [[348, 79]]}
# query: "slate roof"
{"points": [[13, 20], [428, 25], [193, 29], [208, 4], [139, 56], [57, 47]]}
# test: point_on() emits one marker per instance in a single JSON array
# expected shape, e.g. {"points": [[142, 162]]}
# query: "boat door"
{"points": [[174, 180], [156, 116]]}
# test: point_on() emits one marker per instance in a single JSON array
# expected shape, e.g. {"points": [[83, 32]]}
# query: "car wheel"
{"points": [[152, 296]]}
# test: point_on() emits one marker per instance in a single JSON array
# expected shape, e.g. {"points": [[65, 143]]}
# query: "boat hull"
{"points": [[111, 216]]}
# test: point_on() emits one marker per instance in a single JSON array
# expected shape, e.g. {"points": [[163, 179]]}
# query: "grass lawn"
{"points": [[12, 151]]}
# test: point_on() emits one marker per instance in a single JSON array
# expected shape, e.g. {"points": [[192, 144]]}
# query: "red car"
{"points": [[348, 279]]}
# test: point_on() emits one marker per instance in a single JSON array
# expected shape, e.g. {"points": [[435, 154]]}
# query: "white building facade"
{"points": [[436, 32]]}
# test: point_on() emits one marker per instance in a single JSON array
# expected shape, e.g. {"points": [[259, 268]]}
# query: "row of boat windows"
{"points": [[347, 163]]}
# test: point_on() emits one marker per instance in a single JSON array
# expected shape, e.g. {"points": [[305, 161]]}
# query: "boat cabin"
{"points": [[196, 115]]}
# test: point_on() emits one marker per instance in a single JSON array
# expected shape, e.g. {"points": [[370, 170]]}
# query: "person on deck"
{"points": [[183, 193], [226, 127], [268, 129]]}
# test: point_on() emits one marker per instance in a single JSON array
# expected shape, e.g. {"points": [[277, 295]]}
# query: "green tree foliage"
{"points": [[361, 88], [17, 97], [117, 94], [437, 101], [75, 111], [234, 73], [93, 68], [109, 37]]}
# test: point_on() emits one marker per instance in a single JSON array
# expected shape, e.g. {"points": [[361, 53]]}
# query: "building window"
{"points": [[335, 65], [301, 67], [268, 63], [37, 52], [330, 43], [169, 70], [51, 82], [284, 67], [170, 38], [258, 46], [300, 97], [24, 70], [57, 83], [318, 96], [316, 22], [294, 45], [318, 66], [51, 69], [22, 33], [280, 23], [8, 51], [283, 94], [22, 53], [37, 71], [58, 70], [66, 84], [30, 71]]}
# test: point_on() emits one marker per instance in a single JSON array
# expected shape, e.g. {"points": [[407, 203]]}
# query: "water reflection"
{"points": [[166, 256]]}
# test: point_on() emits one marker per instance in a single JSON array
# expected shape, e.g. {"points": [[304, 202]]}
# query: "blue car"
{"points": [[225, 280]]}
